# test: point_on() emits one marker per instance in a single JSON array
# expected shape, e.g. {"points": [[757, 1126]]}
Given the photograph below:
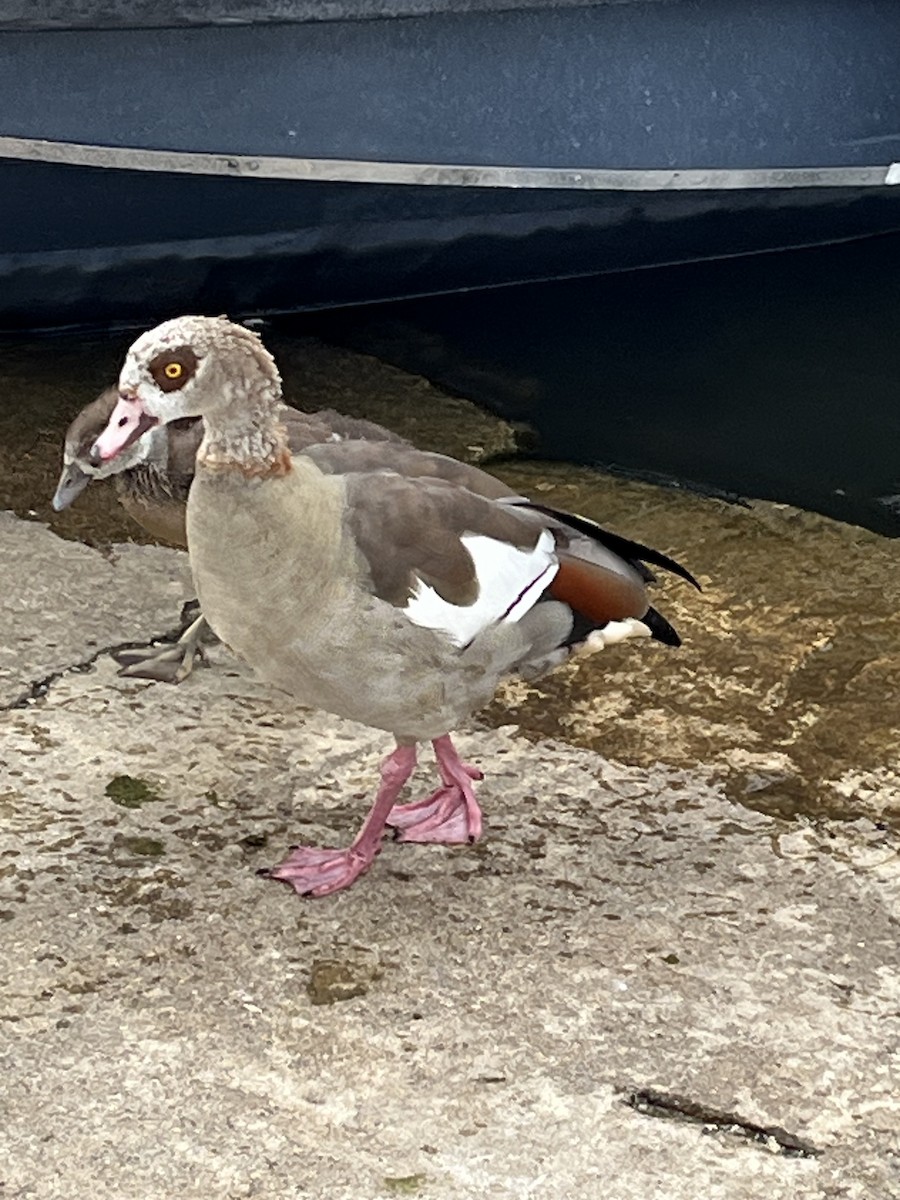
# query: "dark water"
{"points": [[774, 376]]}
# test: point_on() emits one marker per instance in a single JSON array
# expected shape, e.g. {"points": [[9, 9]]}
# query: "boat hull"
{"points": [[278, 167], [152, 246]]}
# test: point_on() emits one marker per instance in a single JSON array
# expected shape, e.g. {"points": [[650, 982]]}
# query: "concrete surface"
{"points": [[56, 611], [462, 1023]]}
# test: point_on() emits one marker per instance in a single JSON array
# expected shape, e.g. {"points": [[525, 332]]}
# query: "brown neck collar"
{"points": [[259, 453]]}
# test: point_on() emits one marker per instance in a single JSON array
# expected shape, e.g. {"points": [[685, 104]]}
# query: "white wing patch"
{"points": [[510, 583]]}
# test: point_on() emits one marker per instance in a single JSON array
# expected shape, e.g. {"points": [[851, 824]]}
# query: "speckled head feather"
{"points": [[209, 367], [204, 381]]}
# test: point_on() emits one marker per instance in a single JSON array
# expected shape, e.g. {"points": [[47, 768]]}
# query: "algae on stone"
{"points": [[129, 791]]}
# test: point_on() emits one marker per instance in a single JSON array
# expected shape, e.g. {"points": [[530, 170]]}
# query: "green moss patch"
{"points": [[130, 792]]}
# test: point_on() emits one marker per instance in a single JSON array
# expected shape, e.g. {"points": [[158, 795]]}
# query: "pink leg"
{"points": [[314, 872], [451, 814]]}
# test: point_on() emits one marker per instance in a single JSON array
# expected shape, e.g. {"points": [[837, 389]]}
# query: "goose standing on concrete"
{"points": [[153, 477], [383, 595]]}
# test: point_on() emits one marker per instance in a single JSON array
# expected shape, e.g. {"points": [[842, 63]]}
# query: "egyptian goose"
{"points": [[153, 477], [389, 595]]}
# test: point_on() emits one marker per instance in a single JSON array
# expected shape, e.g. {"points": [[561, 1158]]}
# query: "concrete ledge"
{"points": [[60, 604], [462, 1023]]}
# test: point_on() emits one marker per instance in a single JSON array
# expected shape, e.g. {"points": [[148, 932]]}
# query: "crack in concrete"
{"points": [[39, 688], [670, 1106]]}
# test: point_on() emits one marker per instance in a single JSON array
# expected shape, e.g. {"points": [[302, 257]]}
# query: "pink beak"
{"points": [[126, 424]]}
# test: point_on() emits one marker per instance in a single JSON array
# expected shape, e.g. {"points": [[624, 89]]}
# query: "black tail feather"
{"points": [[660, 628], [630, 551]]}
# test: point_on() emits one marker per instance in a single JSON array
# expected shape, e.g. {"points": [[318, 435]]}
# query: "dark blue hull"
{"points": [[278, 167], [196, 243]]}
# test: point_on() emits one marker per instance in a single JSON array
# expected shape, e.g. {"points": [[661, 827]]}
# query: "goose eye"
{"points": [[173, 367]]}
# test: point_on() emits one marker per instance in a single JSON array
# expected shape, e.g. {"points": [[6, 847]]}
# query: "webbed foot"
{"points": [[169, 663], [312, 871], [450, 815]]}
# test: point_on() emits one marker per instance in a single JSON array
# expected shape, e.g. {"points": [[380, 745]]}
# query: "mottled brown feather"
{"points": [[360, 457], [156, 501]]}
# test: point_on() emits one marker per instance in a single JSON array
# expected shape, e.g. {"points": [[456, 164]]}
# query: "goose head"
{"points": [[80, 462], [190, 367]]}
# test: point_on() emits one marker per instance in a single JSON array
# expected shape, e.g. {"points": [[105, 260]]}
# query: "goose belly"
{"points": [[292, 608]]}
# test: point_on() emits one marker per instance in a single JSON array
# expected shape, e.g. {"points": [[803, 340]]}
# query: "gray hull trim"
{"points": [[128, 158], [164, 14]]}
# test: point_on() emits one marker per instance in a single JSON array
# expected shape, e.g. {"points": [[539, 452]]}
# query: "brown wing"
{"points": [[346, 458], [331, 427], [411, 528], [596, 592], [357, 428], [408, 529]]}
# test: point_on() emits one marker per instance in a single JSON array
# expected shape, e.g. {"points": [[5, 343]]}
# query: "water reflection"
{"points": [[772, 376]]}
